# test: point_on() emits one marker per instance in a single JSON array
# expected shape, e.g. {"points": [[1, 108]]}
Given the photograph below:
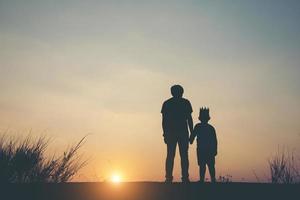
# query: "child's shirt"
{"points": [[206, 138]]}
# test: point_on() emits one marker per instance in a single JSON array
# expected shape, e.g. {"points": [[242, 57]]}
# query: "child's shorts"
{"points": [[205, 159]]}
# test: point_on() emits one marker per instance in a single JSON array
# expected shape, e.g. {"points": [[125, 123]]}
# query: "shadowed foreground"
{"points": [[148, 191]]}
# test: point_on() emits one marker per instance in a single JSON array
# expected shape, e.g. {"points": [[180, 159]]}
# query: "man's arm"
{"points": [[164, 125], [189, 116], [191, 127], [190, 123], [193, 135]]}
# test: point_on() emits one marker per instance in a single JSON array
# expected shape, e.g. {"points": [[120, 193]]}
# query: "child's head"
{"points": [[204, 115]]}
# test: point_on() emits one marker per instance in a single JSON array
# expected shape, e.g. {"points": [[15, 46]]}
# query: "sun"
{"points": [[116, 178]]}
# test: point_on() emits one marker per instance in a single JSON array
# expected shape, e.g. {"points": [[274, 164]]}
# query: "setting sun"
{"points": [[116, 178]]}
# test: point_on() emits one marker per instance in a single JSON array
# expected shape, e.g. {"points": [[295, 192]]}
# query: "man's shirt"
{"points": [[175, 113]]}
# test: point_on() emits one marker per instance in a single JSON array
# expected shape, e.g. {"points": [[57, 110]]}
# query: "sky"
{"points": [[104, 68]]}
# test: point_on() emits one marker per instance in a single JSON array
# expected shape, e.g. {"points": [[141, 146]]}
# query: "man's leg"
{"points": [[171, 150], [183, 150], [212, 170]]}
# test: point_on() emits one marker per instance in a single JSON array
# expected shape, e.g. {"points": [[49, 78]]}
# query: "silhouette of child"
{"points": [[206, 144]]}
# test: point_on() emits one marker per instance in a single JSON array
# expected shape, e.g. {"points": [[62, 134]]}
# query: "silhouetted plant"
{"points": [[284, 168], [23, 161], [225, 179]]}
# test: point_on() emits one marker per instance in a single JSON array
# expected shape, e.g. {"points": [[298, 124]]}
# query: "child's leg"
{"points": [[212, 170], [202, 170], [202, 165]]}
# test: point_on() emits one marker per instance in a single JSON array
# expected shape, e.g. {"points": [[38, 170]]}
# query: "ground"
{"points": [[148, 191]]}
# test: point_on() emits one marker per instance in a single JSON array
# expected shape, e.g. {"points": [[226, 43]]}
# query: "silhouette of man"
{"points": [[206, 145], [176, 118]]}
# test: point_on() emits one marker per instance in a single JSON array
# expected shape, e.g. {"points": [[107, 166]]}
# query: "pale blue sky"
{"points": [[105, 67]]}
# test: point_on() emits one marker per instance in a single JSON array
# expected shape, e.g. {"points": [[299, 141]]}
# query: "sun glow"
{"points": [[116, 178]]}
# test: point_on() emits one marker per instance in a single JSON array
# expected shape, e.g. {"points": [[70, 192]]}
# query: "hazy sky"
{"points": [[69, 68]]}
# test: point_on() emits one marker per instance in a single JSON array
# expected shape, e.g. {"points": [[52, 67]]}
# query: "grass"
{"points": [[284, 168], [24, 161]]}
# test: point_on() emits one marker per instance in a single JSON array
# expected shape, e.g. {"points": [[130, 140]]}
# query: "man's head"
{"points": [[177, 91], [204, 115]]}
